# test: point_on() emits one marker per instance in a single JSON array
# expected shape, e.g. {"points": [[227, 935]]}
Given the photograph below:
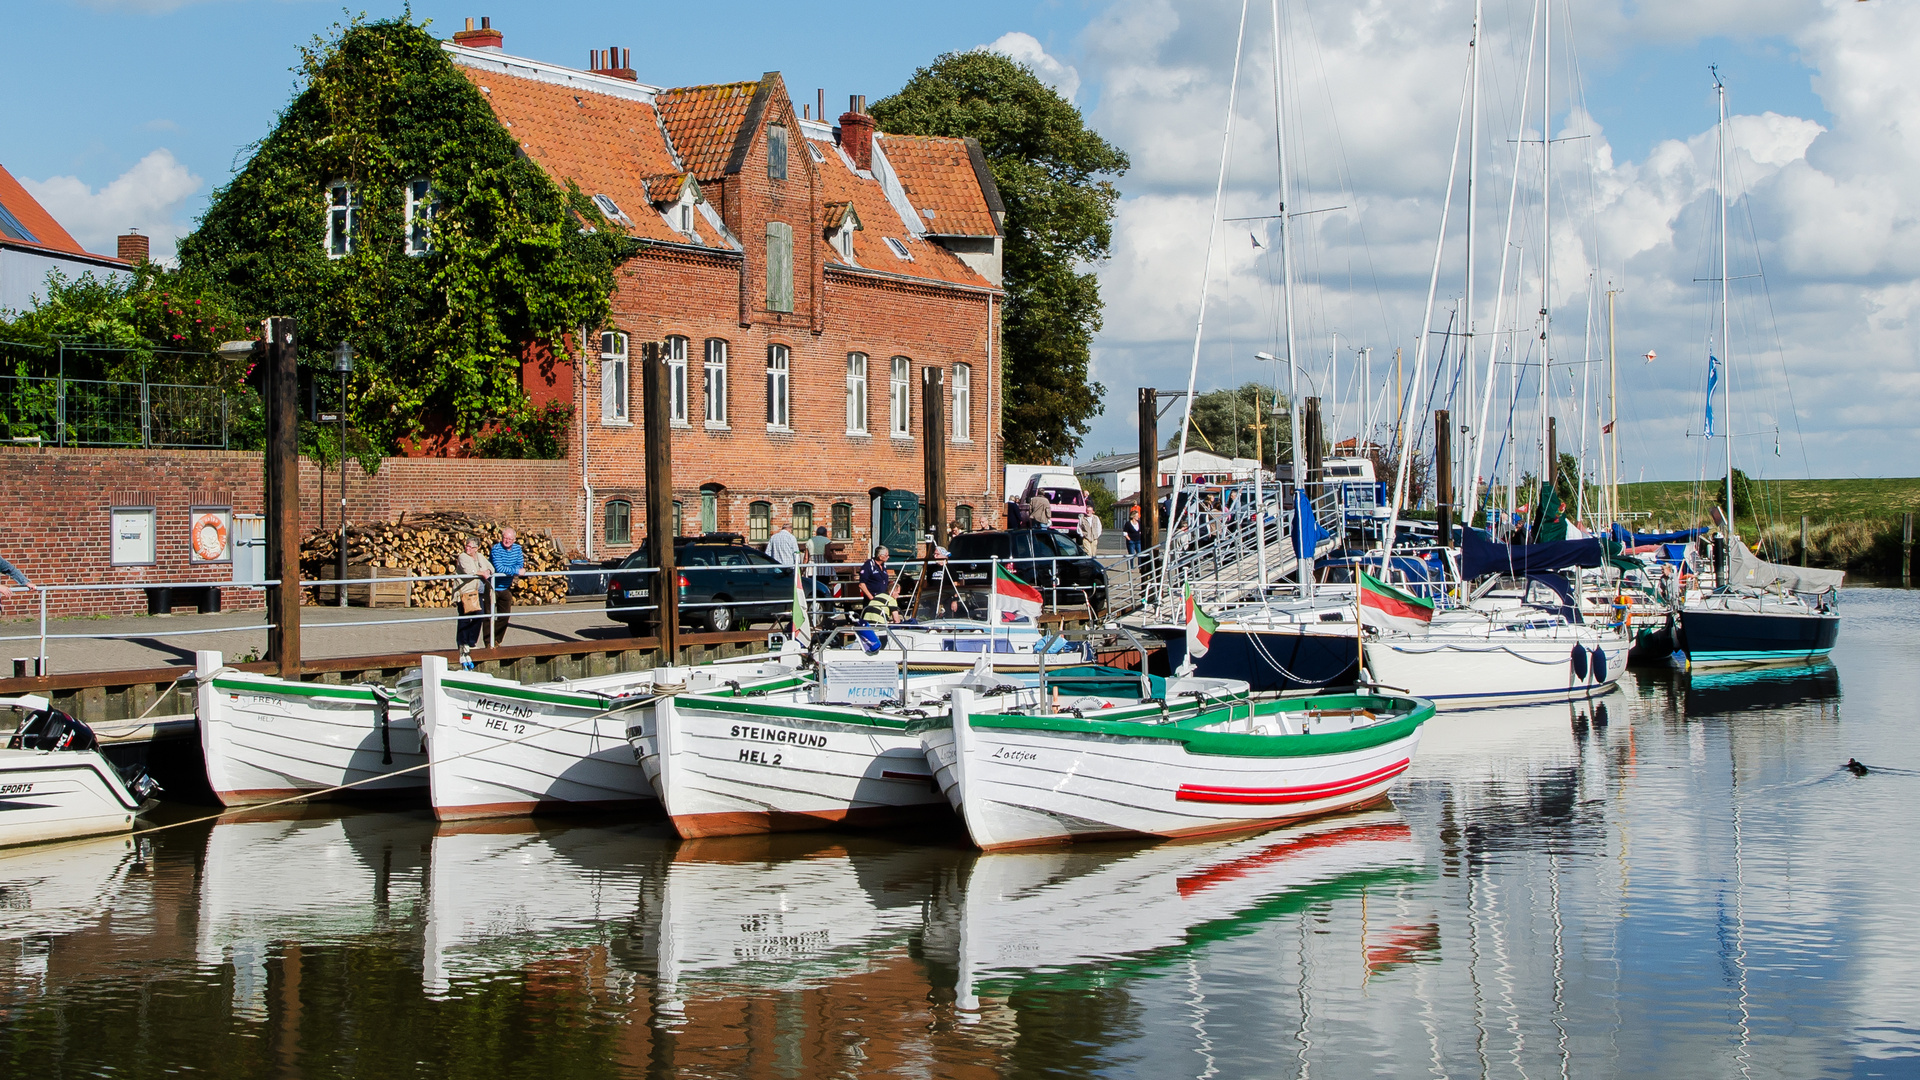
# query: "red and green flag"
{"points": [[1386, 608], [1014, 598], [1200, 627]]}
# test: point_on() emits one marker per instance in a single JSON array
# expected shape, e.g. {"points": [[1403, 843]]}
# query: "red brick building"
{"points": [[801, 276]]}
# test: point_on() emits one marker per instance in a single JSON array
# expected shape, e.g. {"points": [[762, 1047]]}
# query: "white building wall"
{"points": [[23, 275]]}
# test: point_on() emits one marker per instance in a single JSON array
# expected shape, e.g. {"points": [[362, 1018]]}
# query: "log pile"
{"points": [[429, 544]]}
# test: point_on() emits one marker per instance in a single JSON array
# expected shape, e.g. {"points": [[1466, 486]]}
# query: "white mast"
{"points": [[1470, 421], [1304, 565], [1200, 323], [1726, 360], [1546, 241]]}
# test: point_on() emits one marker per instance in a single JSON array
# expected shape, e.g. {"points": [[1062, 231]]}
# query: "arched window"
{"points": [[676, 358], [759, 522], [779, 367], [710, 508], [613, 377], [619, 523], [856, 393], [963, 518], [802, 521], [842, 521], [901, 405], [962, 403]]}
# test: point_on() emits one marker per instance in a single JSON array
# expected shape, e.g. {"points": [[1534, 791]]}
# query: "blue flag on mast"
{"points": [[1713, 383]]}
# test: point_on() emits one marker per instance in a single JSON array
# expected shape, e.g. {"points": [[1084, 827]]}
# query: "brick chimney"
{"points": [[856, 131], [133, 247], [614, 63], [484, 38]]}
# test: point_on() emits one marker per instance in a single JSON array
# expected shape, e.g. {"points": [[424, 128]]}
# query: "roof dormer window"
{"points": [[612, 210], [899, 250], [842, 222], [683, 217]]}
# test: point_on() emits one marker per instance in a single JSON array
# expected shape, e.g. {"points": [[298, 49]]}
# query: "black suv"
{"points": [[742, 584], [1047, 559]]}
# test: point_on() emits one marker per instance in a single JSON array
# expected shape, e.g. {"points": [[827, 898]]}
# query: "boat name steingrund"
{"points": [[779, 735]]}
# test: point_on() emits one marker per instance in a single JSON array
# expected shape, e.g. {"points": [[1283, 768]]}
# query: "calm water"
{"points": [[1685, 883]]}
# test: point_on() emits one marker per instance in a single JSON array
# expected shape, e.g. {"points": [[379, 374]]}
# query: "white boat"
{"points": [[267, 738], [1474, 658], [800, 754], [1074, 919], [499, 748], [55, 794], [1203, 759], [955, 645]]}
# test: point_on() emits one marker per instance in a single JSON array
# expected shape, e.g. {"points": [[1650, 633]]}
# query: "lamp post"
{"points": [[343, 363]]}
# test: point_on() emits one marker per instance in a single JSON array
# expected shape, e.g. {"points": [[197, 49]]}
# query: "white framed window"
{"points": [[779, 369], [613, 378], [677, 378], [843, 243], [962, 403], [856, 393], [683, 217], [420, 216], [899, 250], [612, 210], [713, 386], [759, 521], [900, 400], [343, 218], [779, 266], [776, 151]]}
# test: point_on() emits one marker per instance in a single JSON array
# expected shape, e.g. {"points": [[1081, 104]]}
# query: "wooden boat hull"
{"points": [[59, 794], [1024, 782], [1466, 671], [726, 767], [266, 738], [497, 748]]}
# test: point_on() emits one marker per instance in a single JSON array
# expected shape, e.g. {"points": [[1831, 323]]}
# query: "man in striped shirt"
{"points": [[509, 560]]}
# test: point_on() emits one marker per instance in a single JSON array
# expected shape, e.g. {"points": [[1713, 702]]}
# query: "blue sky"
{"points": [[130, 112]]}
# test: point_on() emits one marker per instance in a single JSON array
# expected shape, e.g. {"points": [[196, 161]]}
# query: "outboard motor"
{"points": [[51, 729], [139, 784]]}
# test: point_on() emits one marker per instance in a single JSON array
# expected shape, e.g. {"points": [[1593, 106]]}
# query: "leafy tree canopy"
{"points": [[437, 335], [1223, 423], [1054, 177]]}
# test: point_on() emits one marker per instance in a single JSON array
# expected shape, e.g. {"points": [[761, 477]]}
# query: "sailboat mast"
{"points": [[1612, 450], [1726, 357], [1304, 565], [1546, 239]]}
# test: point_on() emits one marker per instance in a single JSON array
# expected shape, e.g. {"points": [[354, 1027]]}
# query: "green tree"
{"points": [[1054, 178], [1224, 423], [514, 258]]}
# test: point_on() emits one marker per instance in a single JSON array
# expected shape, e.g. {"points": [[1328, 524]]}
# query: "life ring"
{"points": [[209, 546]]}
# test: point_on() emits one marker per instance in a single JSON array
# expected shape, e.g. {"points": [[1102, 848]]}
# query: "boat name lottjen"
{"points": [[1004, 754], [779, 735]]}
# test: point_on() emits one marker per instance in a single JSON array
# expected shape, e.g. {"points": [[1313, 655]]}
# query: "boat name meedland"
{"points": [[508, 708], [779, 735]]}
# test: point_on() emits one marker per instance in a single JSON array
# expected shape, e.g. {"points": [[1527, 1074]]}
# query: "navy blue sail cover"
{"points": [[1629, 538], [1481, 554]]}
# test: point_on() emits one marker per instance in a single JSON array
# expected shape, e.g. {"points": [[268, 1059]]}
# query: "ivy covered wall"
{"points": [[438, 336]]}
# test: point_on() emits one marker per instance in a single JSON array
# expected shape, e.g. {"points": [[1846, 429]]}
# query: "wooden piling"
{"points": [[657, 416], [1443, 469], [1149, 494], [1906, 548], [933, 412], [282, 490], [1316, 449], [1803, 541]]}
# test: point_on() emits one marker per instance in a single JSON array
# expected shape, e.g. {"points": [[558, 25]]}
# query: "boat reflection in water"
{"points": [[1080, 918], [54, 891], [1718, 691]]}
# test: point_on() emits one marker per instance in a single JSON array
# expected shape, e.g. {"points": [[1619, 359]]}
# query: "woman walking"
{"points": [[468, 602]]}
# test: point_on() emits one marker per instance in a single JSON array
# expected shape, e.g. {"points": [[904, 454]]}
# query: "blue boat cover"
{"points": [[1481, 554], [1629, 538], [1567, 608], [1307, 532]]}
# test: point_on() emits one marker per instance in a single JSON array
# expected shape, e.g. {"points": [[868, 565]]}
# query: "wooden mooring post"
{"points": [[1443, 480], [1149, 494], [1804, 558], [657, 416], [1906, 548]]}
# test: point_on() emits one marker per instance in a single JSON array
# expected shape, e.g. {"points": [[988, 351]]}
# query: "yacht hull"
{"points": [[1735, 638]]}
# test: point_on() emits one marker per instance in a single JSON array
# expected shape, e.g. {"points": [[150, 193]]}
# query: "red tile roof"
{"points": [[33, 217], [938, 176], [705, 123], [605, 143], [879, 222]]}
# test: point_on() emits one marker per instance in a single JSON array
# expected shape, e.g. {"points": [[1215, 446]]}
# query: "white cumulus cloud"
{"points": [[1027, 49], [149, 197]]}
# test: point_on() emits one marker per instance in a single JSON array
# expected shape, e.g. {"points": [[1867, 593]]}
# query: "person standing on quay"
{"points": [[874, 578], [1131, 531], [467, 600], [1040, 511], [1090, 530], [783, 548], [509, 561]]}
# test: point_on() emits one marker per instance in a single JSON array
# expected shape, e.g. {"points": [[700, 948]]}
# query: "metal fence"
{"points": [[97, 395]]}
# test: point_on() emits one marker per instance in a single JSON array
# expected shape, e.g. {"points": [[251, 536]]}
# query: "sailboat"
{"points": [[1761, 612]]}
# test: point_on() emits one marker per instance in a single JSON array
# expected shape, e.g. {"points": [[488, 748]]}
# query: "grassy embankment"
{"points": [[1852, 524]]}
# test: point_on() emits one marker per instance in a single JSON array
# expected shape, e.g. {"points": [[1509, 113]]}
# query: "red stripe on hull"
{"points": [[1266, 796]]}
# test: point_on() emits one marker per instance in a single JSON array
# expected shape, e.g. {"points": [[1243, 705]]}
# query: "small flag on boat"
{"points": [[799, 615], [1384, 607], [1014, 598], [1200, 627], [1606, 428]]}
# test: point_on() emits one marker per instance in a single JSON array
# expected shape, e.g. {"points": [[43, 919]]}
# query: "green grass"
{"points": [[1781, 501]]}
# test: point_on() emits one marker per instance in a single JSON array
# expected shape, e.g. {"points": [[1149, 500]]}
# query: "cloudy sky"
{"points": [[1825, 371]]}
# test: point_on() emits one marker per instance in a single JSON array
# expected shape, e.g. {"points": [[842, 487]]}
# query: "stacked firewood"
{"points": [[427, 544]]}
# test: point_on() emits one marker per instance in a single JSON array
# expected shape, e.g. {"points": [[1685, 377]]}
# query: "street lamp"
{"points": [[343, 363]]}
